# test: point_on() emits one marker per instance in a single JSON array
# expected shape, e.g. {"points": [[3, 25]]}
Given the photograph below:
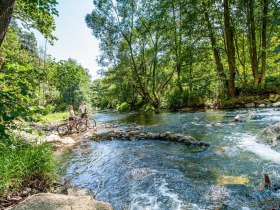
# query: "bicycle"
{"points": [[91, 123], [66, 128]]}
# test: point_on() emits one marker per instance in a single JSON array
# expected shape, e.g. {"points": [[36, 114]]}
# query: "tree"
{"points": [[229, 34], [219, 66], [134, 31], [6, 11], [72, 81], [264, 42], [33, 13], [252, 41]]}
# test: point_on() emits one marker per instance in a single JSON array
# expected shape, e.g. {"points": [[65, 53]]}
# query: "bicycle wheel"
{"points": [[91, 123], [81, 127], [62, 129]]}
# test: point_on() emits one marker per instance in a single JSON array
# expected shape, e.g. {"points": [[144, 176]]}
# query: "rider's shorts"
{"points": [[71, 118], [84, 115]]}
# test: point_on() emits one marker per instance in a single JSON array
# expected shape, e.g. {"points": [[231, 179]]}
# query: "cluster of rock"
{"points": [[120, 134], [250, 102], [107, 132], [272, 101]]}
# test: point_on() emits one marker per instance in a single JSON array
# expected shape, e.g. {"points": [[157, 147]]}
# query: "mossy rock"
{"points": [[224, 180]]}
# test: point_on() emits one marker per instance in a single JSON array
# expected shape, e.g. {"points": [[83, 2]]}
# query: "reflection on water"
{"points": [[156, 175]]}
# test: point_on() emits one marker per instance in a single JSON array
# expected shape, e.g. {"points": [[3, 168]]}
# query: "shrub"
{"points": [[123, 107], [178, 99], [23, 164], [175, 99], [147, 107], [273, 84]]}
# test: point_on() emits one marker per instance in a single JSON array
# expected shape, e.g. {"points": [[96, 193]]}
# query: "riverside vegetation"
{"points": [[25, 168]]}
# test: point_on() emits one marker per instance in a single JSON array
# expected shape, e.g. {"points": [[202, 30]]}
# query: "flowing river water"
{"points": [[157, 175]]}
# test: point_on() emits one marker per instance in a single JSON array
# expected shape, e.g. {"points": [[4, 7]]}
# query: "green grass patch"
{"points": [[54, 116], [25, 165]]}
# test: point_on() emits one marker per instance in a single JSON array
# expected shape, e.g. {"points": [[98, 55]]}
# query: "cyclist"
{"points": [[83, 110], [72, 117]]}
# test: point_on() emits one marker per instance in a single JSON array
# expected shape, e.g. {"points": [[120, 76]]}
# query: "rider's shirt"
{"points": [[83, 108], [72, 114]]}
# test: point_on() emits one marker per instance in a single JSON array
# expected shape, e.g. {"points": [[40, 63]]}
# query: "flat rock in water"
{"points": [[67, 140], [137, 135], [49, 201]]}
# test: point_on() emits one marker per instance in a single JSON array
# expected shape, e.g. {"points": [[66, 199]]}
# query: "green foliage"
{"points": [[229, 102], [21, 163], [38, 15], [46, 109], [123, 107], [251, 90], [162, 53], [17, 92], [273, 83], [72, 81], [147, 107], [32, 84], [175, 99]]}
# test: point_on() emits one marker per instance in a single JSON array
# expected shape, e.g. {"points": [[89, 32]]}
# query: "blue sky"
{"points": [[74, 37]]}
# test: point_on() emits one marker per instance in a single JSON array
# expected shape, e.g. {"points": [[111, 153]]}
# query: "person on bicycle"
{"points": [[71, 119], [83, 110]]}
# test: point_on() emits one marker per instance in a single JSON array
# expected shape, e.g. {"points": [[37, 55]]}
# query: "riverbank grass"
{"points": [[25, 165], [54, 116]]}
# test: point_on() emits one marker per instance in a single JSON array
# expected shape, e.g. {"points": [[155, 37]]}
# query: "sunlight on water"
{"points": [[147, 201], [156, 175], [217, 194], [264, 151]]}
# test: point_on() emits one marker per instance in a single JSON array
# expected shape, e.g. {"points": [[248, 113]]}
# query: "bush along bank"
{"points": [[25, 169]]}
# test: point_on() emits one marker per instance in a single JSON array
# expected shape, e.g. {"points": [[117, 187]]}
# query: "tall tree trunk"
{"points": [[6, 11], [230, 49], [241, 58], [252, 41], [177, 45], [191, 72], [218, 62], [264, 23]]}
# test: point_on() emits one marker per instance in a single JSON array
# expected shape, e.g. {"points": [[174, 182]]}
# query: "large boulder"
{"points": [[244, 117], [250, 105], [274, 97], [49, 201], [270, 135], [277, 104]]}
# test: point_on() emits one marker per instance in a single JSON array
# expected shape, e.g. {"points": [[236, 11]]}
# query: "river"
{"points": [[157, 175]]}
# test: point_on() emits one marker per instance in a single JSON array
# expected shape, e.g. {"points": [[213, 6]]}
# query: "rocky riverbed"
{"points": [[77, 198], [127, 132]]}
